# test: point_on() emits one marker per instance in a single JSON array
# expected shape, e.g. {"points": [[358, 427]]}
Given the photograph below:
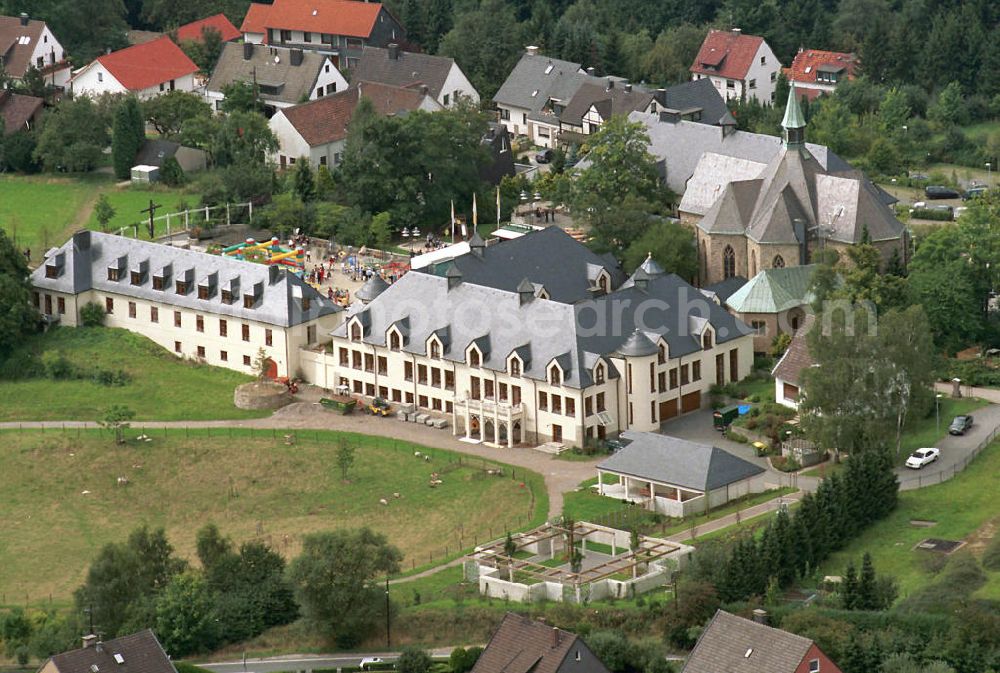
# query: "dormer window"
{"points": [[602, 283], [394, 341], [555, 376], [474, 359], [227, 297], [113, 273], [599, 374], [661, 355], [515, 367], [182, 287], [51, 271], [706, 340], [136, 278], [248, 301], [435, 350], [157, 282], [355, 332], [202, 292], [306, 303]]}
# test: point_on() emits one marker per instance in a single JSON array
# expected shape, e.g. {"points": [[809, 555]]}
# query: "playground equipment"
{"points": [[250, 245], [289, 257], [275, 253]]}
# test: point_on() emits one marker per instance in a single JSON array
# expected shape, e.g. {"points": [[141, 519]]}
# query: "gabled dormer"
{"points": [[519, 360], [703, 331], [231, 290], [663, 350], [252, 297], [184, 282], [478, 351], [208, 286], [438, 343], [55, 265], [163, 278], [600, 372], [558, 370], [358, 326], [398, 334]]}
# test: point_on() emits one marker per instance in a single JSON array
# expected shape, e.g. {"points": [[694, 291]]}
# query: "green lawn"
{"points": [[61, 503], [40, 211], [162, 387], [960, 506]]}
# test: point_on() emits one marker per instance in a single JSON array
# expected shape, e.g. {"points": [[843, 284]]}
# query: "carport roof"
{"points": [[678, 462]]}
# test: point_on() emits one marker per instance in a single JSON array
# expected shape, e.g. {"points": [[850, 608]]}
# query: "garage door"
{"points": [[691, 402], [668, 409]]}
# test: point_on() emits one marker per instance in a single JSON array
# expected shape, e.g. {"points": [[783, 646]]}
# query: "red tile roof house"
{"points": [[219, 23], [740, 66], [146, 69], [814, 71], [25, 42], [341, 28], [731, 644], [318, 129]]}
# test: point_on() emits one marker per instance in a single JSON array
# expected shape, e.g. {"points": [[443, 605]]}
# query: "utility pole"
{"points": [[152, 211]]}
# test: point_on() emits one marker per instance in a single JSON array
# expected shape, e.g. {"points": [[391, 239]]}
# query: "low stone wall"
{"points": [[261, 395]]}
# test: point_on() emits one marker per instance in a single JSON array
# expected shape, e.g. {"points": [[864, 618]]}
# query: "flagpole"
{"points": [[453, 221], [475, 215], [498, 206]]}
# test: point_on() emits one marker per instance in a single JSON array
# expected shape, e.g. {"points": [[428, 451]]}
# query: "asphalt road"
{"points": [[955, 450], [306, 662]]}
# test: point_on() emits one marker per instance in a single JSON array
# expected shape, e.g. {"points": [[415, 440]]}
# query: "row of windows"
{"points": [[199, 321], [60, 303], [729, 262], [200, 350], [559, 404], [183, 287], [398, 396]]}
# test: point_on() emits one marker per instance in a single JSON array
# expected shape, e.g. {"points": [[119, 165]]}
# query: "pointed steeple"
{"points": [[793, 123]]}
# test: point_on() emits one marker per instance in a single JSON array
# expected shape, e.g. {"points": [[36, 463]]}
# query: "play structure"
{"points": [[268, 252]]}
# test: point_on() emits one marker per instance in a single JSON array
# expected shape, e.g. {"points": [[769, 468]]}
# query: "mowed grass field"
{"points": [[40, 211], [61, 502], [963, 509], [161, 386]]}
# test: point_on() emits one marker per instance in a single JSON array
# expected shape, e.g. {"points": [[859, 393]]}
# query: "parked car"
{"points": [[922, 457], [543, 157], [960, 424], [368, 662], [973, 193], [940, 192]]}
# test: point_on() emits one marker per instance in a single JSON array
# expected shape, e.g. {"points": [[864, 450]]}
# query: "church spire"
{"points": [[794, 124]]}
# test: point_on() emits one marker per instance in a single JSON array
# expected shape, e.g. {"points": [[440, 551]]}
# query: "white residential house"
{"points": [[740, 66], [788, 378], [442, 76], [318, 129], [27, 43], [211, 308], [146, 70], [283, 77]]}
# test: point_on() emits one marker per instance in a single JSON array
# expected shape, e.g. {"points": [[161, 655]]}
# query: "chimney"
{"points": [[454, 276], [393, 51], [99, 646], [296, 56], [591, 71], [737, 31], [81, 240], [760, 616], [525, 292], [628, 88], [611, 84], [24, 18], [424, 90], [247, 51], [273, 274], [89, 640], [531, 50], [556, 637], [799, 227]]}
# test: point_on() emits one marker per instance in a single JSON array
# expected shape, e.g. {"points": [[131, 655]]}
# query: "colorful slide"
{"points": [[282, 256]]}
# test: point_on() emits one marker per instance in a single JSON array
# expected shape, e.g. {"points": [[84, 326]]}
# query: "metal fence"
{"points": [[921, 480]]}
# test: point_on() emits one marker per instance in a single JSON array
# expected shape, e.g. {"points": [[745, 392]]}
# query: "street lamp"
{"points": [[937, 409], [406, 232], [989, 173]]}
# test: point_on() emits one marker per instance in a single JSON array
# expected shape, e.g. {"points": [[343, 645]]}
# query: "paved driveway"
{"points": [[955, 450], [697, 427]]}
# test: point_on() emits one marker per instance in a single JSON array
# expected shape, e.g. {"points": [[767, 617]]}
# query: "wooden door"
{"points": [[691, 402], [668, 409], [556, 433]]}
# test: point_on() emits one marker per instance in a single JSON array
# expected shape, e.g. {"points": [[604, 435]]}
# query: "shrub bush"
{"points": [[940, 215], [973, 372], [991, 557], [92, 314]]}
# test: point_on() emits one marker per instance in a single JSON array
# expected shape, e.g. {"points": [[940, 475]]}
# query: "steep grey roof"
{"points": [[609, 97], [549, 257], [155, 152], [671, 460], [140, 653], [724, 288], [794, 185], [666, 307], [529, 86], [637, 345], [372, 288], [795, 360], [651, 267], [292, 81], [698, 93], [541, 331], [407, 69], [736, 645], [680, 145], [85, 258]]}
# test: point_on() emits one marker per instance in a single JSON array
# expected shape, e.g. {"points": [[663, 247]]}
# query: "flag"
{"points": [[453, 221], [498, 206], [475, 215]]}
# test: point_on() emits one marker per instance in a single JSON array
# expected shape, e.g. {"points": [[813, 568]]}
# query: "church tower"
{"points": [[794, 124]]}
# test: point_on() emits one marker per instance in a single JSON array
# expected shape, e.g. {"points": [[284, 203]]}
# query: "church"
{"points": [[793, 206]]}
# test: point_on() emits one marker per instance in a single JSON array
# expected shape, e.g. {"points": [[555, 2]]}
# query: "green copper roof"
{"points": [[793, 112], [774, 290]]}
